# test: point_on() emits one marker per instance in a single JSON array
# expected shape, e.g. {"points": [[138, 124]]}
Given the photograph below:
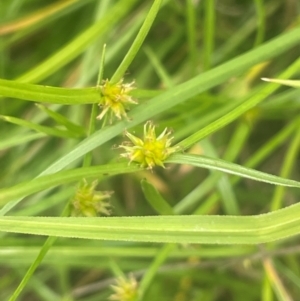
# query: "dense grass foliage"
{"points": [[142, 157]]}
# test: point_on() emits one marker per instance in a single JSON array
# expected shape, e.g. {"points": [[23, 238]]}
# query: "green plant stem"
{"points": [[260, 11], [42, 253], [92, 125], [287, 166], [153, 268], [209, 32], [137, 43], [191, 34]]}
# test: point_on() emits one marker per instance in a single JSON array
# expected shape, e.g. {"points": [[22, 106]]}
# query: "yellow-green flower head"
{"points": [[115, 98], [89, 202], [125, 289], [150, 150]]}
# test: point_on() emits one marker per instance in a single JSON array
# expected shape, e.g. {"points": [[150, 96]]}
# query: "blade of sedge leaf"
{"points": [[11, 253], [40, 128], [230, 203], [177, 95], [203, 229], [209, 33], [232, 168], [20, 139], [285, 82], [34, 265], [57, 95], [155, 199], [137, 43], [47, 94], [62, 120], [26, 188], [152, 269], [92, 122], [289, 163]]}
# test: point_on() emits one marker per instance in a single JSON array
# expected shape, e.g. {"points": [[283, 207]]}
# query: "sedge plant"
{"points": [[142, 156]]}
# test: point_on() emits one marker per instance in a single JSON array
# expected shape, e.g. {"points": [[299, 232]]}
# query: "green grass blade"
{"points": [[285, 82], [136, 45], [62, 120], [191, 16], [20, 139], [159, 259], [199, 192], [47, 94], [49, 242], [155, 199], [11, 250], [51, 131], [92, 122], [167, 229], [290, 161], [229, 200], [209, 31], [228, 167], [67, 176], [261, 16], [158, 67], [42, 253]]}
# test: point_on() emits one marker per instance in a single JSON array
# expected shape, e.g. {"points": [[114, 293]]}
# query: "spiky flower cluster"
{"points": [[115, 99], [89, 202], [125, 289], [151, 150]]}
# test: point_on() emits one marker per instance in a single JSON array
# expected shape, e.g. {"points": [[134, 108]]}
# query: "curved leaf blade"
{"points": [[231, 168]]}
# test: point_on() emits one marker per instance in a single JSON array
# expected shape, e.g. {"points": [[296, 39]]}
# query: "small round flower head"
{"points": [[115, 98], [151, 150], [125, 289], [89, 202]]}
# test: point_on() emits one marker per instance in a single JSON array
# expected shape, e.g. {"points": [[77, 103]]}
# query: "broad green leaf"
{"points": [[165, 229]]}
